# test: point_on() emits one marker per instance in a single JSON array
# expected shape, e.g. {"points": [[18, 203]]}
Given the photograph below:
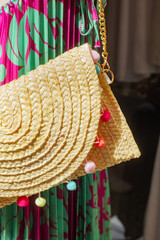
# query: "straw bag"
{"points": [[50, 119]]}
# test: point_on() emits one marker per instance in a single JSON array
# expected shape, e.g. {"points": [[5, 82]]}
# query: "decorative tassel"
{"points": [[105, 117], [71, 186], [40, 201], [22, 201], [90, 166]]}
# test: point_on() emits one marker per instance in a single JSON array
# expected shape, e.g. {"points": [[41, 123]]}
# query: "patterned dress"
{"points": [[31, 33]]}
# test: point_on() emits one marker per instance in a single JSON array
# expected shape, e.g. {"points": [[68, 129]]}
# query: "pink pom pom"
{"points": [[90, 167], [105, 116], [22, 201]]}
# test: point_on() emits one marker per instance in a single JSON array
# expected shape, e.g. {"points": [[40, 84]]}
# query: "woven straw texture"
{"points": [[49, 120]]}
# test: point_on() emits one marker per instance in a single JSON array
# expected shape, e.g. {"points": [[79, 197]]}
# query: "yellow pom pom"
{"points": [[40, 202]]}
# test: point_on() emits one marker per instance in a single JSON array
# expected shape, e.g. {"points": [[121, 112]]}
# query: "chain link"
{"points": [[103, 34]]}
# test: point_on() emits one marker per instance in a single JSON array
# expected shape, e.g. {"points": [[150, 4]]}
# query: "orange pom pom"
{"points": [[99, 142]]}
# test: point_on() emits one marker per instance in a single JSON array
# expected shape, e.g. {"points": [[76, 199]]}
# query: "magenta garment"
{"points": [[31, 33]]}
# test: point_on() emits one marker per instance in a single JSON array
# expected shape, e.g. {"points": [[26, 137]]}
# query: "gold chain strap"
{"points": [[103, 33]]}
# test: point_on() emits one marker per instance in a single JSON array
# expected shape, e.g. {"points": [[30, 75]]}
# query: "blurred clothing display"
{"points": [[133, 44], [133, 38], [151, 228], [155, 34], [118, 229]]}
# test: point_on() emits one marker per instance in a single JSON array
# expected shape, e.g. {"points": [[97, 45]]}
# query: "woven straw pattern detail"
{"points": [[58, 106], [7, 201], [120, 143]]}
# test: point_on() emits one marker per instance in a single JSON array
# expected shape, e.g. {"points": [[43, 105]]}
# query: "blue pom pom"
{"points": [[71, 186], [98, 69]]}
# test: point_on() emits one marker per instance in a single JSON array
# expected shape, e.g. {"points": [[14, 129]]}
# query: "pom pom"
{"points": [[105, 116], [98, 69], [40, 202], [90, 167], [99, 142], [22, 201], [71, 186]]}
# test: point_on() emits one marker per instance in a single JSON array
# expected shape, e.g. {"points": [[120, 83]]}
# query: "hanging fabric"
{"points": [[44, 30]]}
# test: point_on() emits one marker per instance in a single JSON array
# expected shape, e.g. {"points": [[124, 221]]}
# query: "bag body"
{"points": [[49, 121]]}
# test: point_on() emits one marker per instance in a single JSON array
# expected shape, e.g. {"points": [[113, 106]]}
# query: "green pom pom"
{"points": [[98, 69], [40, 202], [71, 186]]}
